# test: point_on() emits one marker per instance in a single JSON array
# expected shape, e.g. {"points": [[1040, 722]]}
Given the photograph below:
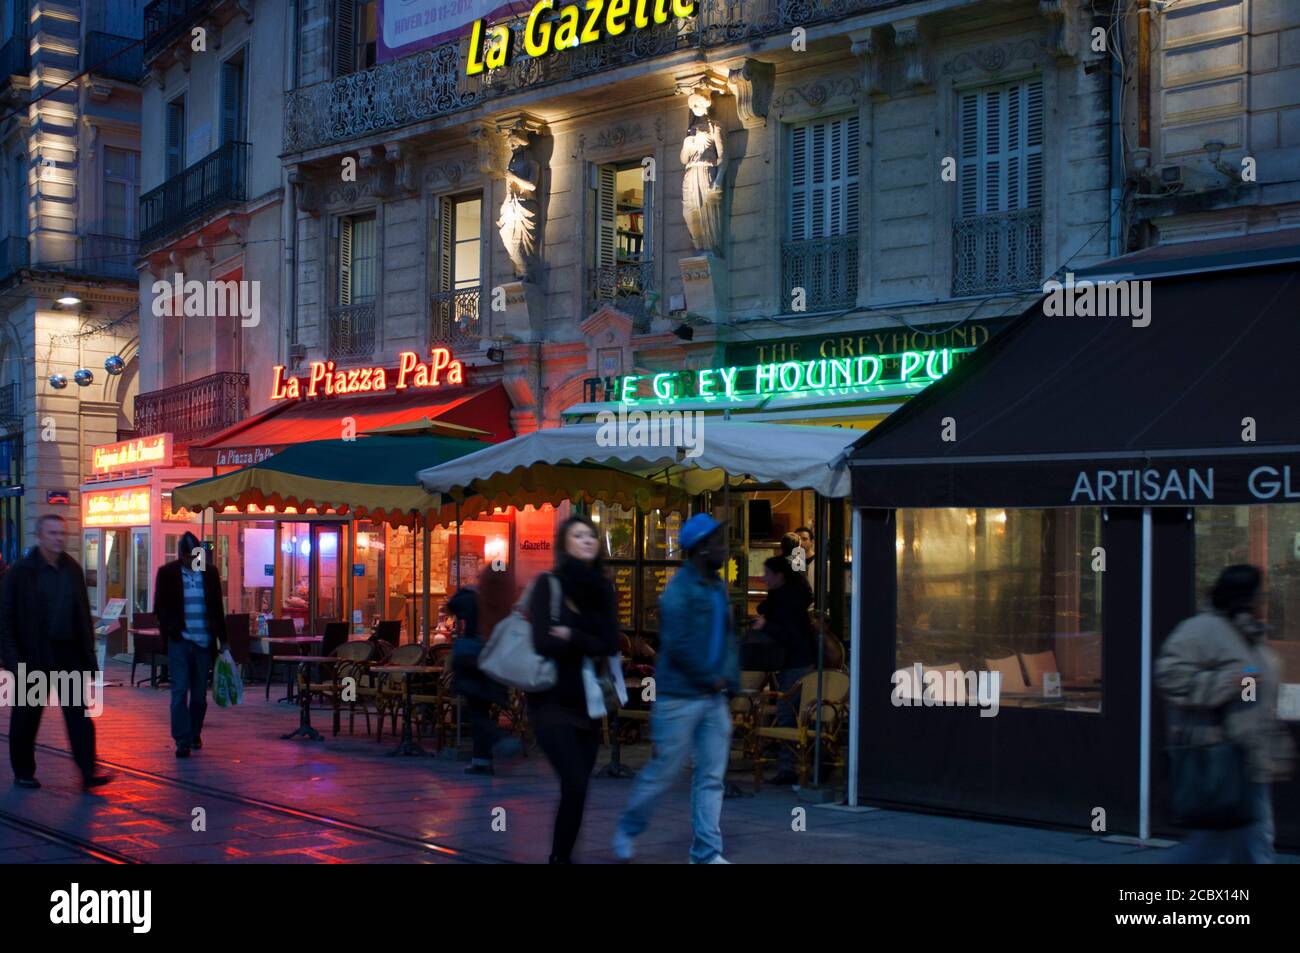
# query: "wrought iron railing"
{"points": [[15, 57], [10, 404], [819, 274], [195, 409], [14, 254], [455, 318], [165, 20], [998, 252], [218, 179], [117, 57], [623, 285], [108, 255], [351, 331], [433, 83]]}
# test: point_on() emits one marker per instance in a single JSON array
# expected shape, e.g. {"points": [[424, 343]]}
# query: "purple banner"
{"points": [[408, 26]]}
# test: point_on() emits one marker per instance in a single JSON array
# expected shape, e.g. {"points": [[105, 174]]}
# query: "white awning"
{"points": [[800, 458]]}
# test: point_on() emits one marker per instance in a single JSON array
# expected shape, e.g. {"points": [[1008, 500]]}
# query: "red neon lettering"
{"points": [[317, 374], [441, 358], [406, 363], [278, 391]]}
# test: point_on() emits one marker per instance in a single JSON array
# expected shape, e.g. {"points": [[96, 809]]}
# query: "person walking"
{"points": [[696, 669], [1222, 683], [479, 610], [192, 621], [785, 620], [586, 628], [45, 626]]}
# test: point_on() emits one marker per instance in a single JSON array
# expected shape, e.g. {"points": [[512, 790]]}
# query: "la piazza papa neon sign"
{"points": [[326, 380], [490, 47]]}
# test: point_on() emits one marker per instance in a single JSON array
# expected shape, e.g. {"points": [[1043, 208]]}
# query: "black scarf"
{"points": [[583, 583]]}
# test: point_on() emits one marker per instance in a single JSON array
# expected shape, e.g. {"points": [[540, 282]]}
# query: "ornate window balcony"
{"points": [[195, 409], [623, 286], [455, 319], [433, 83], [165, 20], [997, 252], [218, 179], [108, 255], [825, 268], [351, 332]]}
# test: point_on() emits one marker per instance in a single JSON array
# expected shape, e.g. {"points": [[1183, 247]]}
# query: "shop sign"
{"points": [[881, 341], [129, 506], [151, 451], [326, 380], [1179, 485], [407, 26], [822, 375], [61, 497], [577, 24]]}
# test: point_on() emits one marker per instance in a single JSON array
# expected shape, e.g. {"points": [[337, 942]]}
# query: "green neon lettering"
{"points": [[841, 372], [912, 362], [764, 378], [728, 381], [862, 376], [628, 391], [815, 374], [705, 386], [663, 386], [789, 383]]}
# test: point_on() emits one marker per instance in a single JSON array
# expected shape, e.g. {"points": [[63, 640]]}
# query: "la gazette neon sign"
{"points": [[326, 380], [490, 47]]}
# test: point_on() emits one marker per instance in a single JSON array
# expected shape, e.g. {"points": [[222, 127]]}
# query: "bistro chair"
{"points": [[751, 707], [767, 739], [278, 629], [336, 633], [391, 694], [239, 639], [147, 648], [352, 661], [388, 630]]}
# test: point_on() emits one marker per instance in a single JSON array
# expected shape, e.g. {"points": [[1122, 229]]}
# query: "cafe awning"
{"points": [[569, 459], [370, 477], [484, 409], [1196, 407]]}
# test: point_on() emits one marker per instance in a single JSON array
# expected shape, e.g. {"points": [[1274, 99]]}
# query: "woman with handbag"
{"points": [[580, 625], [1226, 743], [786, 622]]}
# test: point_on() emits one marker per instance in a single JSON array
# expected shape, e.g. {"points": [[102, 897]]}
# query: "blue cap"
{"points": [[697, 528]]}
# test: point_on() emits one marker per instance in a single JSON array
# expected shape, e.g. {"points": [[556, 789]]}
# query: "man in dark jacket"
{"points": [[192, 621], [45, 625]]}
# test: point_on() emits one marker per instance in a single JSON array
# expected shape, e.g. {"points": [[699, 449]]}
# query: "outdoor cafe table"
{"points": [[304, 698], [153, 665], [272, 658], [408, 745]]}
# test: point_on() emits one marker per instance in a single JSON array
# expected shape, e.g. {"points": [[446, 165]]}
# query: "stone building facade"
{"points": [[69, 186], [751, 174]]}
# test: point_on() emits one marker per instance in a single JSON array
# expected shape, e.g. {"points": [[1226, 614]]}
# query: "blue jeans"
{"points": [[787, 713], [1252, 844], [190, 667], [699, 727]]}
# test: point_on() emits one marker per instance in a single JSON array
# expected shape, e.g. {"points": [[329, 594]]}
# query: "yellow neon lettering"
{"points": [[615, 22], [641, 21], [566, 34], [661, 11], [683, 8], [499, 54], [475, 63], [537, 35], [591, 32]]}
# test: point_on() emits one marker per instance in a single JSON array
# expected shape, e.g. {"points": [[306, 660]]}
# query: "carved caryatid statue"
{"points": [[518, 220], [706, 169]]}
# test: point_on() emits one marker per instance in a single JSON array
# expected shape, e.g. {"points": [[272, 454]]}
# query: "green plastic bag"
{"points": [[227, 688]]}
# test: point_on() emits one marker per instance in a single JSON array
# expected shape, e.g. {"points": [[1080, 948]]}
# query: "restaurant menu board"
{"points": [[653, 584], [624, 579]]}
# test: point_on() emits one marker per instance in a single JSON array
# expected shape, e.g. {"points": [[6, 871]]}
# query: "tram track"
{"points": [[51, 835], [314, 817]]}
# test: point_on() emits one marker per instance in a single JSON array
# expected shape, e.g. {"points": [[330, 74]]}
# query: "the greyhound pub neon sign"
{"points": [[324, 379]]}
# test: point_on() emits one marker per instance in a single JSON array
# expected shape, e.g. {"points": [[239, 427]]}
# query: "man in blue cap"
{"points": [[696, 668]]}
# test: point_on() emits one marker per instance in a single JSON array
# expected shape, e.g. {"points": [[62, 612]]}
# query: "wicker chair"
{"points": [[390, 694], [352, 660], [766, 739]]}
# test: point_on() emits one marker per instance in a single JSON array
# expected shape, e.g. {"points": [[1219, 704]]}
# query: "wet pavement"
{"points": [[251, 797]]}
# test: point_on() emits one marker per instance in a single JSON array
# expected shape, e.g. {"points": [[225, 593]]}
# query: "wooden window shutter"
{"points": [[798, 190], [232, 101], [345, 36], [345, 261], [606, 216], [446, 244]]}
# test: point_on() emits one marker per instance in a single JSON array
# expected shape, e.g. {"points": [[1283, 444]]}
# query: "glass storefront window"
{"points": [[367, 588], [1010, 591], [115, 563], [295, 581], [1267, 537], [140, 576], [617, 527], [90, 564], [654, 579], [661, 529]]}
